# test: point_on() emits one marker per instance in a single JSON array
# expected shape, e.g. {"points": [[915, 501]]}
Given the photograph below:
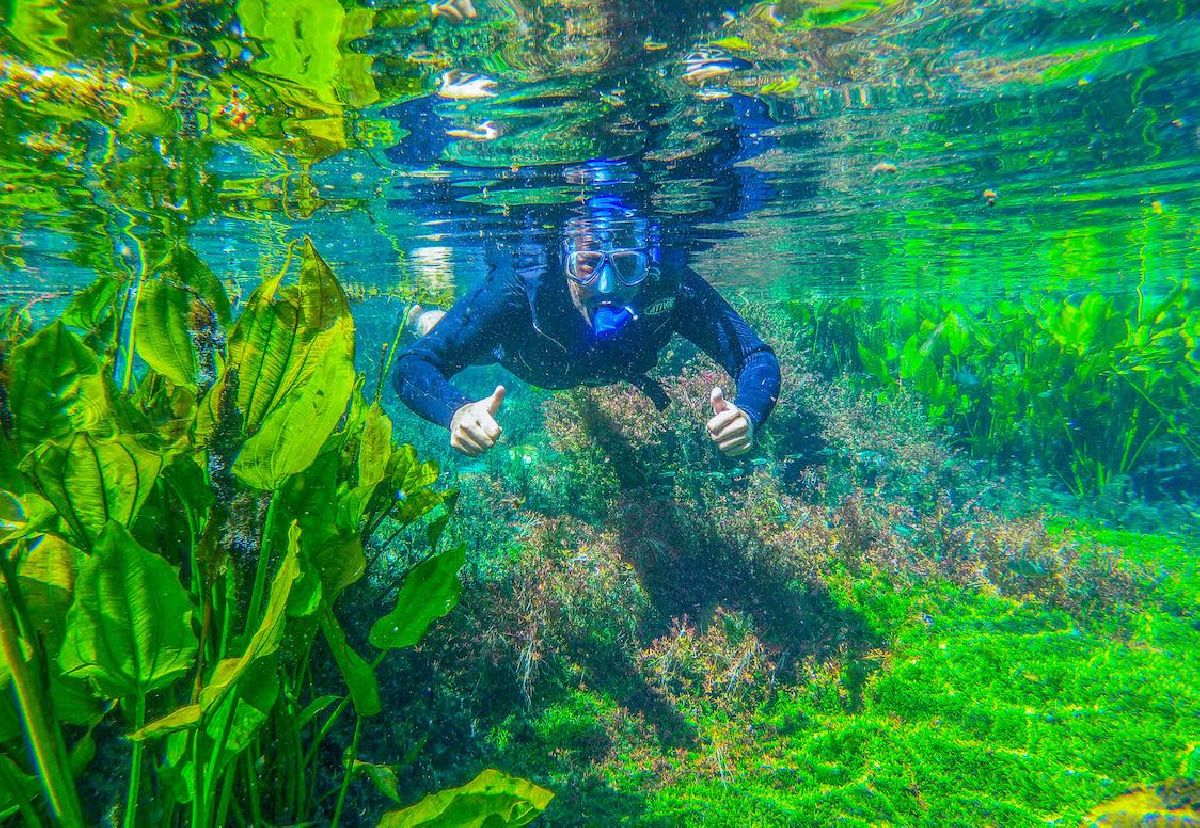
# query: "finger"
{"points": [[490, 428], [461, 445], [717, 398], [477, 432], [468, 8], [482, 438], [467, 437], [728, 441], [734, 448], [496, 400], [738, 428], [718, 423]]}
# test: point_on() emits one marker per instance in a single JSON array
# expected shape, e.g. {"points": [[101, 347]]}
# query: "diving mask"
{"points": [[629, 265]]}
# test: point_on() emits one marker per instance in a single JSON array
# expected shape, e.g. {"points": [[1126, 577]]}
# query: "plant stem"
{"points": [[385, 366], [45, 739], [227, 614], [349, 772], [252, 784], [135, 768], [130, 342], [199, 814], [226, 797], [311, 755], [260, 569]]}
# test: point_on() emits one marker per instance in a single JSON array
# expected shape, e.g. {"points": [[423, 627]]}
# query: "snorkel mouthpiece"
{"points": [[608, 320]]}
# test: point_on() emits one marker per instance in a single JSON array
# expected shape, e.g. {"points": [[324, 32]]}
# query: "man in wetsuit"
{"points": [[595, 312]]}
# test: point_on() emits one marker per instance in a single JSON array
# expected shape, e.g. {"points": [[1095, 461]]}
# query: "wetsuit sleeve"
{"points": [[704, 317], [467, 335]]}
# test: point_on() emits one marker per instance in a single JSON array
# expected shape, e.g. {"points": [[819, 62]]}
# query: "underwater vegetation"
{"points": [[956, 584], [1096, 387], [186, 495], [861, 626]]}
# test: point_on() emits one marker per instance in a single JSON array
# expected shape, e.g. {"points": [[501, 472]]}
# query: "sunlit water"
{"points": [[873, 149], [881, 149], [878, 127]]}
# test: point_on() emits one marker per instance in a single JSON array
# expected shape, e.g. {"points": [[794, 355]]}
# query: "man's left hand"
{"points": [[730, 427]]}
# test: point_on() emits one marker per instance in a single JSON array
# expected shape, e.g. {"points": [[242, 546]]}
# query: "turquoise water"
{"points": [[969, 229]]}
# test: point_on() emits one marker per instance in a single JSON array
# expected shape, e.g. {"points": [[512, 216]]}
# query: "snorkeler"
{"points": [[594, 312]]}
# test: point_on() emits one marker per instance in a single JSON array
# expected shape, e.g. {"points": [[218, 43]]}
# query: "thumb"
{"points": [[494, 401], [718, 401]]}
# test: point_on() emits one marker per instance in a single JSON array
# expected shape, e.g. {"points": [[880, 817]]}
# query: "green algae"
{"points": [[987, 710]]}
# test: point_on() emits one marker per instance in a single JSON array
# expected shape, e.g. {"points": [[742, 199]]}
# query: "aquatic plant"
{"points": [[183, 508], [1087, 385]]}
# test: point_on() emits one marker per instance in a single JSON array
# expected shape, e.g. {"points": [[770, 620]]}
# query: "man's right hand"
{"points": [[473, 429]]}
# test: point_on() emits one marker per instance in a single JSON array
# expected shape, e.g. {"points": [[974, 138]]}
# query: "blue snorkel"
{"points": [[608, 321]]}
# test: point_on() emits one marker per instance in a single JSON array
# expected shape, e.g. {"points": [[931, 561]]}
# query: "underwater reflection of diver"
{"points": [[596, 309]]}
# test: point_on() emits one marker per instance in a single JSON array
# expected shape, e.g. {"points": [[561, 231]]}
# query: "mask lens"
{"points": [[584, 264], [630, 265]]}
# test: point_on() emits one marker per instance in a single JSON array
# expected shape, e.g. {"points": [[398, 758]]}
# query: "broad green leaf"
{"points": [[955, 333], [278, 343], [129, 628], [24, 514], [231, 726], [374, 449], [56, 387], [430, 590], [308, 590], [314, 707], [185, 500], [341, 562], [161, 323], [92, 304], [490, 800], [438, 525], [46, 572], [10, 719], [294, 431], [314, 499], [357, 673], [186, 268], [178, 719], [266, 638], [94, 480], [17, 788], [323, 302], [411, 480], [383, 777], [410, 473], [228, 672], [74, 699]]}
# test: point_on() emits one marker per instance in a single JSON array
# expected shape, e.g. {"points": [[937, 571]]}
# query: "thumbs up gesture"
{"points": [[473, 428], [730, 427]]}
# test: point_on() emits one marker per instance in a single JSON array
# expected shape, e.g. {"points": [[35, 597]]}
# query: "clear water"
{"points": [[885, 150]]}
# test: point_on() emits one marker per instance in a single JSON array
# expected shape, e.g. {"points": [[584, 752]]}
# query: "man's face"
{"points": [[606, 266]]}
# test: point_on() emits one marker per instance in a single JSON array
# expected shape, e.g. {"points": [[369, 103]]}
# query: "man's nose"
{"points": [[606, 280]]}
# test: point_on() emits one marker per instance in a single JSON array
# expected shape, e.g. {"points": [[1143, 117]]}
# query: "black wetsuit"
{"points": [[523, 318]]}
